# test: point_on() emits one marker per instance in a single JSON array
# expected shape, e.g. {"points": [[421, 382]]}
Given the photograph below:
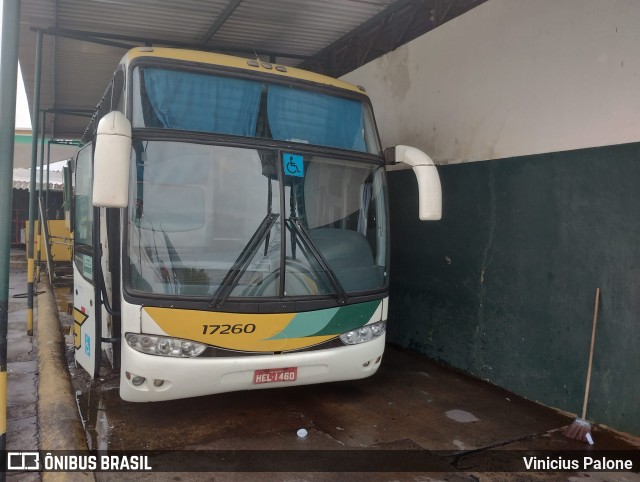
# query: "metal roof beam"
{"points": [[63, 111], [82, 36], [110, 39], [222, 18], [398, 24], [369, 24]]}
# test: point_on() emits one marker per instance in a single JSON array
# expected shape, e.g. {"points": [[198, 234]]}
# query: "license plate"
{"points": [[272, 375]]}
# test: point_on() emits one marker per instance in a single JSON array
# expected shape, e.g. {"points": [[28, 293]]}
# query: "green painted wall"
{"points": [[504, 286]]}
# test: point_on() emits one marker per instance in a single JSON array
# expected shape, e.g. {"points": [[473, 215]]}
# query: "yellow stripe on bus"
{"points": [[235, 62], [233, 331]]}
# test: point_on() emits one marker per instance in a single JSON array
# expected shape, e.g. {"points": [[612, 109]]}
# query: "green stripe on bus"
{"points": [[349, 317], [306, 324], [331, 321]]}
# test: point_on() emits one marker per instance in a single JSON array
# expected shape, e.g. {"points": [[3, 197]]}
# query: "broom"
{"points": [[580, 429]]}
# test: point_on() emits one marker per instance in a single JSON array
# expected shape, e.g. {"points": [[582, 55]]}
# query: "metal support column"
{"points": [[40, 197], [35, 106], [8, 85]]}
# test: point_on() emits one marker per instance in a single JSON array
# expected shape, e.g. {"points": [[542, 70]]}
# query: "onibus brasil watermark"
{"points": [[35, 461]]}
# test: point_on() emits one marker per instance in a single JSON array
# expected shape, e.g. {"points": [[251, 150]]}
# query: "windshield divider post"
{"points": [[269, 211]]}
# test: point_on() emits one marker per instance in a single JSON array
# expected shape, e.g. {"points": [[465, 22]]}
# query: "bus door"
{"points": [[86, 335], [108, 280]]}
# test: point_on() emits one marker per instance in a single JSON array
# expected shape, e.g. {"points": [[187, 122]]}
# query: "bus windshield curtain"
{"points": [[205, 103], [314, 118]]}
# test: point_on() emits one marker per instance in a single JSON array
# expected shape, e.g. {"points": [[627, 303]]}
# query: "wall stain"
{"points": [[487, 257]]}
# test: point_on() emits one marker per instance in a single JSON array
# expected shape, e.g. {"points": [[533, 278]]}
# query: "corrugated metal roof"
{"points": [[183, 20], [22, 177], [76, 72], [303, 26]]}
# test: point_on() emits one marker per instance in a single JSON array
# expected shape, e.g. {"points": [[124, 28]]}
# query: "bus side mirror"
{"points": [[429, 189], [111, 161]]}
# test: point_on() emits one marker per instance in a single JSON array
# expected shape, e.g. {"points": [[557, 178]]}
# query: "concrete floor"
{"points": [[22, 368], [411, 404]]}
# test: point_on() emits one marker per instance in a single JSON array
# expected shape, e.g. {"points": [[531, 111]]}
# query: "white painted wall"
{"points": [[511, 78]]}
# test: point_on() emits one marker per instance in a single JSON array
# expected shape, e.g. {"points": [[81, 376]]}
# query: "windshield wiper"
{"points": [[302, 234], [242, 262]]}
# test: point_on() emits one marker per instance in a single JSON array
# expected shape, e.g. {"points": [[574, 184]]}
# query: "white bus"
{"points": [[231, 227]]}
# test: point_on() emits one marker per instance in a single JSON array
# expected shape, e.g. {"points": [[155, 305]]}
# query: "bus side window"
{"points": [[83, 219], [83, 212]]}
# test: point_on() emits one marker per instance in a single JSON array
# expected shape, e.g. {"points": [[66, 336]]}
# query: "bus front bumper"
{"points": [[167, 378]]}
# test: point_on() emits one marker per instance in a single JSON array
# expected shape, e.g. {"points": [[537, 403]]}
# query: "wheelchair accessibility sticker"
{"points": [[293, 165]]}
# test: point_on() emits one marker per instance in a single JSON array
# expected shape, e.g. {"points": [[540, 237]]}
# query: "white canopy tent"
{"points": [[22, 176]]}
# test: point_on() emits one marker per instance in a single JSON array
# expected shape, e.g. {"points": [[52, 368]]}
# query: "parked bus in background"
{"points": [[231, 227]]}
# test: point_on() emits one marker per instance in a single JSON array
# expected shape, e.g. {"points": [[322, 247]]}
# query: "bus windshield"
{"points": [[206, 216], [201, 102]]}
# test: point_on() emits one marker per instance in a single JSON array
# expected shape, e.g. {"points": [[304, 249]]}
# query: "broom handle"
{"points": [[593, 340]]}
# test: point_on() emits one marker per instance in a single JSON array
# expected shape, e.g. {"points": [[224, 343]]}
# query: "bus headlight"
{"points": [[364, 333], [164, 345]]}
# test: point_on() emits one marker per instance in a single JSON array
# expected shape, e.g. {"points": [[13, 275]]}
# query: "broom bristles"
{"points": [[578, 430]]}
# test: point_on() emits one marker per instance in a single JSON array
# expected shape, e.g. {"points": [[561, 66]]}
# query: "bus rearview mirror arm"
{"points": [[429, 188], [111, 161]]}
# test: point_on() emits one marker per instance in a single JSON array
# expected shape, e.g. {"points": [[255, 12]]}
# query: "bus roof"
{"points": [[235, 62]]}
